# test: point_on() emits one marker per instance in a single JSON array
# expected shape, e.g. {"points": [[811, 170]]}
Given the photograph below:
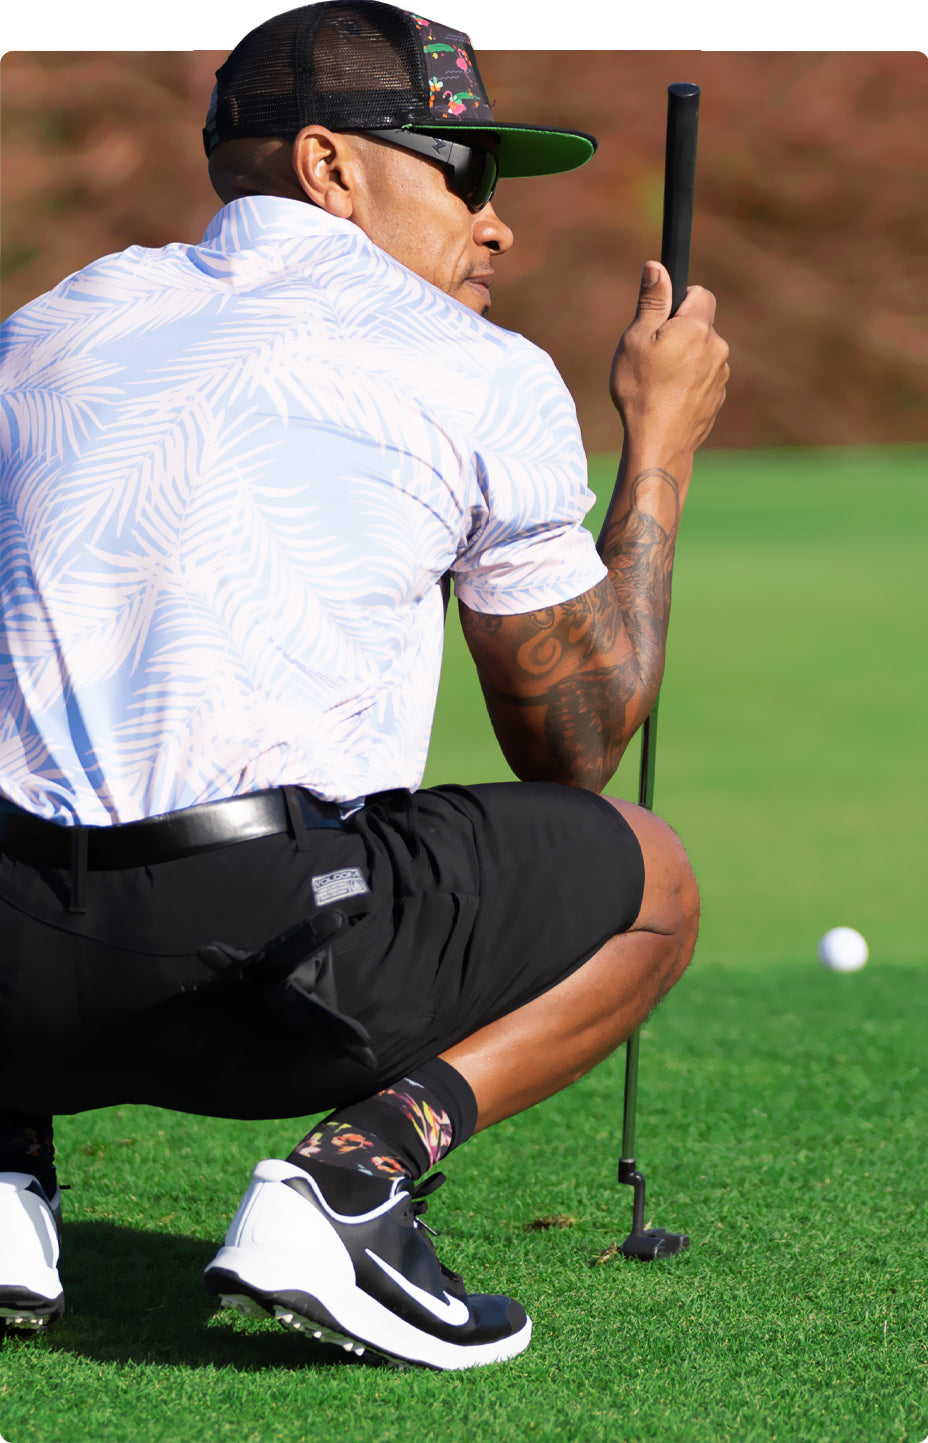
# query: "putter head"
{"points": [[653, 1243]]}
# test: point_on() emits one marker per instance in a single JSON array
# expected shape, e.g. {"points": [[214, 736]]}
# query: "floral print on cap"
{"points": [[455, 89]]}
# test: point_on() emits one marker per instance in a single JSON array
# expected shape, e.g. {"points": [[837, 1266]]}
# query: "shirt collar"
{"points": [[256, 219], [248, 238]]}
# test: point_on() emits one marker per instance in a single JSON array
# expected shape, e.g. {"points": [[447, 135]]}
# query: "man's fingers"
{"points": [[698, 304], [655, 295], [655, 299]]}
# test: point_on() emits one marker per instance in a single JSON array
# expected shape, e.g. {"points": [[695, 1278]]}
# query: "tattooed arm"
{"points": [[567, 686]]}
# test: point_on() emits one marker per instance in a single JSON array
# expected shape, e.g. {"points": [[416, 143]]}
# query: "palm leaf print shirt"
{"points": [[234, 476]]}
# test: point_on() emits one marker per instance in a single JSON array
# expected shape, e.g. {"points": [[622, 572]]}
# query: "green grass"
{"points": [[783, 1111]]}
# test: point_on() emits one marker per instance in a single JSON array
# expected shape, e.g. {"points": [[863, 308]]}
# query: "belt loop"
{"points": [[297, 827], [413, 814], [411, 818], [78, 870]]}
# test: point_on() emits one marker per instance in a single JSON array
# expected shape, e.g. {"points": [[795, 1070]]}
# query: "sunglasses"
{"points": [[474, 169]]}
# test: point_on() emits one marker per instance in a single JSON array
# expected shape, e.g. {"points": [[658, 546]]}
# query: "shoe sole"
{"points": [[22, 1309], [299, 1322], [301, 1312]]}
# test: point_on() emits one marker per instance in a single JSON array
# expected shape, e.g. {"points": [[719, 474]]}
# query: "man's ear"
{"points": [[326, 169]]}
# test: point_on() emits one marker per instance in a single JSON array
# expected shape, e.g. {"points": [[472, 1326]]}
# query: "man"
{"points": [[238, 477]]}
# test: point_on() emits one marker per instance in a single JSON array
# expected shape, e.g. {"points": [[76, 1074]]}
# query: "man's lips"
{"points": [[482, 281]]}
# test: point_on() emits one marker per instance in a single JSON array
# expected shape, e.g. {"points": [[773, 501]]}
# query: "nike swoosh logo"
{"points": [[451, 1311]]}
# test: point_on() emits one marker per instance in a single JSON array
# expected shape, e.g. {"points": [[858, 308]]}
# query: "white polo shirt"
{"points": [[233, 477]]}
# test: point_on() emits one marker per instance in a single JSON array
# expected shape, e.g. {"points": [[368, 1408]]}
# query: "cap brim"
{"points": [[528, 150]]}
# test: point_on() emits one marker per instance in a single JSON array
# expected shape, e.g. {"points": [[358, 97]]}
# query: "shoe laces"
{"points": [[417, 1194]]}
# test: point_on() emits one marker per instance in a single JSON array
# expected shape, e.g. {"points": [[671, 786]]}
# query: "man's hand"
{"points": [[568, 686], [669, 374]]}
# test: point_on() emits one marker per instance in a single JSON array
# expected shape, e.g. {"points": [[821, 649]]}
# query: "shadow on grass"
{"points": [[136, 1297]]}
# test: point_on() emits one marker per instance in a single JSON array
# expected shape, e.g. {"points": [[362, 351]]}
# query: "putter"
{"points": [[679, 180]]}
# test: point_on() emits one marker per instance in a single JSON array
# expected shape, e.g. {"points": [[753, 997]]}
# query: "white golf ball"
{"points": [[843, 950]]}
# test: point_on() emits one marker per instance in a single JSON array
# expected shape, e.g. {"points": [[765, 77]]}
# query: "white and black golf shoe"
{"points": [[31, 1296], [357, 1268]]}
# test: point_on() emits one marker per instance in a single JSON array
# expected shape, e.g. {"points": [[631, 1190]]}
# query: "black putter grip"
{"points": [[679, 184]]}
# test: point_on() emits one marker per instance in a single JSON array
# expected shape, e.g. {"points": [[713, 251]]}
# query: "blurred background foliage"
{"points": [[812, 213]]}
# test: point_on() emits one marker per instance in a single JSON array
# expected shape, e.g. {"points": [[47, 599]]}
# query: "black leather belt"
{"points": [[162, 839]]}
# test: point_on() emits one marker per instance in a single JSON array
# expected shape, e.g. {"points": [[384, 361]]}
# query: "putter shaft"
{"points": [[679, 187]]}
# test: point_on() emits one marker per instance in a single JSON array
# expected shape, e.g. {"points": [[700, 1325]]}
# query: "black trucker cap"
{"points": [[363, 65]]}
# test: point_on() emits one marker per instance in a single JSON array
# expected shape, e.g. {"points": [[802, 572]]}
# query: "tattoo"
{"points": [[584, 720], [571, 627], [639, 553], [484, 623], [583, 673], [576, 629]]}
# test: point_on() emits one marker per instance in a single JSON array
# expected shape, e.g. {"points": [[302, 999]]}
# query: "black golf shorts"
{"points": [[457, 904]]}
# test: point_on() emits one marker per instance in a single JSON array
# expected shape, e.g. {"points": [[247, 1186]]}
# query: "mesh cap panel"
{"points": [[365, 65], [342, 65]]}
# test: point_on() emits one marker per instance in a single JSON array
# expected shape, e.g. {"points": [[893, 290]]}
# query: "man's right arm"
{"points": [[567, 686]]}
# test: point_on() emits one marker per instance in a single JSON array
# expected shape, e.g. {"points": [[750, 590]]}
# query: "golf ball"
{"points": [[843, 950]]}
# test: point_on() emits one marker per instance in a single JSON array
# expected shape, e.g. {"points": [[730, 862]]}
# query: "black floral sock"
{"points": [[400, 1132]]}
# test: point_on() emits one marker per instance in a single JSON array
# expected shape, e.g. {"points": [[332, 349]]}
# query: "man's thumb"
{"points": [[655, 296]]}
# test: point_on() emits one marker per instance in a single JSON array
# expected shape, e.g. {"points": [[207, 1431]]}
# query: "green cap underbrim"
{"points": [[527, 150]]}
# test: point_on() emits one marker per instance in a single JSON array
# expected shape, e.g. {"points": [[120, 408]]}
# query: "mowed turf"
{"points": [[783, 1110]]}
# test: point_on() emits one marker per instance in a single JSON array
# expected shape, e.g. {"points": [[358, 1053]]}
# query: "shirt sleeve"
{"points": [[526, 545]]}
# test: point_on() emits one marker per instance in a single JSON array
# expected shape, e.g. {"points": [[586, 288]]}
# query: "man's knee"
{"points": [[670, 902]]}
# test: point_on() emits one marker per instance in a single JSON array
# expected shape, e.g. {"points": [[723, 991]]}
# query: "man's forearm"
{"points": [[637, 544]]}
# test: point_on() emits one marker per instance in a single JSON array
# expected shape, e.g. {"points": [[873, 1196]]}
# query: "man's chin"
{"points": [[483, 311]]}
